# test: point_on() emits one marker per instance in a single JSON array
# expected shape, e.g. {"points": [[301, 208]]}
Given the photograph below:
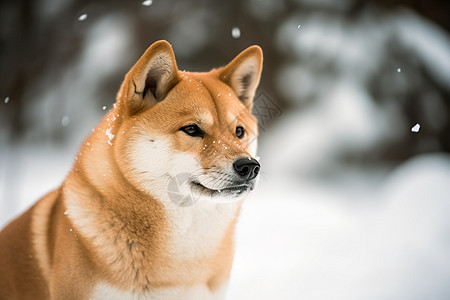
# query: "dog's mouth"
{"points": [[231, 190]]}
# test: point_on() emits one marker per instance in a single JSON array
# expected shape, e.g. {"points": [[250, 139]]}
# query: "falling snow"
{"points": [[399, 70], [104, 107], [65, 121], [235, 32], [416, 128], [82, 17], [147, 2], [6, 100], [109, 135]]}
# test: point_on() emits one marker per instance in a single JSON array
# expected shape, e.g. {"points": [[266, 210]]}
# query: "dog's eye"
{"points": [[240, 131], [192, 130]]}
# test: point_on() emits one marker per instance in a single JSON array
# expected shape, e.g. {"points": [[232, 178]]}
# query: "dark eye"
{"points": [[240, 131], [192, 130]]}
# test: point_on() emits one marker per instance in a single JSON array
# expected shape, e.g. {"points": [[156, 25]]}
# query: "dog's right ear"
{"points": [[150, 79]]}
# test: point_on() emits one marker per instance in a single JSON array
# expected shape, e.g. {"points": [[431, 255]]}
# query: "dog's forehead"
{"points": [[211, 98]]}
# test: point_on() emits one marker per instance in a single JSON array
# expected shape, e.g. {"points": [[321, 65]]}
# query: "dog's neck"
{"points": [[135, 235]]}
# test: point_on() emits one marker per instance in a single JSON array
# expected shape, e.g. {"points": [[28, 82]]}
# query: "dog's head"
{"points": [[189, 136]]}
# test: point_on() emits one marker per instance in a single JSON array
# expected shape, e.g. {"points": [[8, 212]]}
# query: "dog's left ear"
{"points": [[150, 79], [243, 74]]}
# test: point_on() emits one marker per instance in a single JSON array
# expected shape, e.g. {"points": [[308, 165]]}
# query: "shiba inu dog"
{"points": [[118, 227]]}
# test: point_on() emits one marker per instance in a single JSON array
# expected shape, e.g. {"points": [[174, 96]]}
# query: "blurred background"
{"points": [[354, 107]]}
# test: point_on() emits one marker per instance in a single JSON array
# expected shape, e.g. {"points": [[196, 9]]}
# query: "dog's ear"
{"points": [[150, 79], [243, 74]]}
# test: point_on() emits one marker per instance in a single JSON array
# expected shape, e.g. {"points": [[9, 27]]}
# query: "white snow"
{"points": [[103, 107], [109, 135], [83, 17], [147, 2], [235, 32], [6, 100], [399, 70], [304, 240], [353, 121], [30, 171], [416, 128], [65, 121]]}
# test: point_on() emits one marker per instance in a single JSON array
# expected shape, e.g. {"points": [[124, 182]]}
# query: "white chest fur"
{"points": [[197, 230], [106, 292]]}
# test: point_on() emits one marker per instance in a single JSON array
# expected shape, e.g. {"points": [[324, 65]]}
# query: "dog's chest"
{"points": [[198, 230], [194, 233]]}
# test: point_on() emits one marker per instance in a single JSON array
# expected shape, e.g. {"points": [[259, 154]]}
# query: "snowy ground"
{"points": [[305, 240]]}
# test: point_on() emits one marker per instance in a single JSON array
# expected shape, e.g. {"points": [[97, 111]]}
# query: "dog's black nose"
{"points": [[247, 167]]}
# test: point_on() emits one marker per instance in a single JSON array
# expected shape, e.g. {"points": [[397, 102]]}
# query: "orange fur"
{"points": [[110, 223]]}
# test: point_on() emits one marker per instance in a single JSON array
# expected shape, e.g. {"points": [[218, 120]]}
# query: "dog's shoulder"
{"points": [[20, 271]]}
